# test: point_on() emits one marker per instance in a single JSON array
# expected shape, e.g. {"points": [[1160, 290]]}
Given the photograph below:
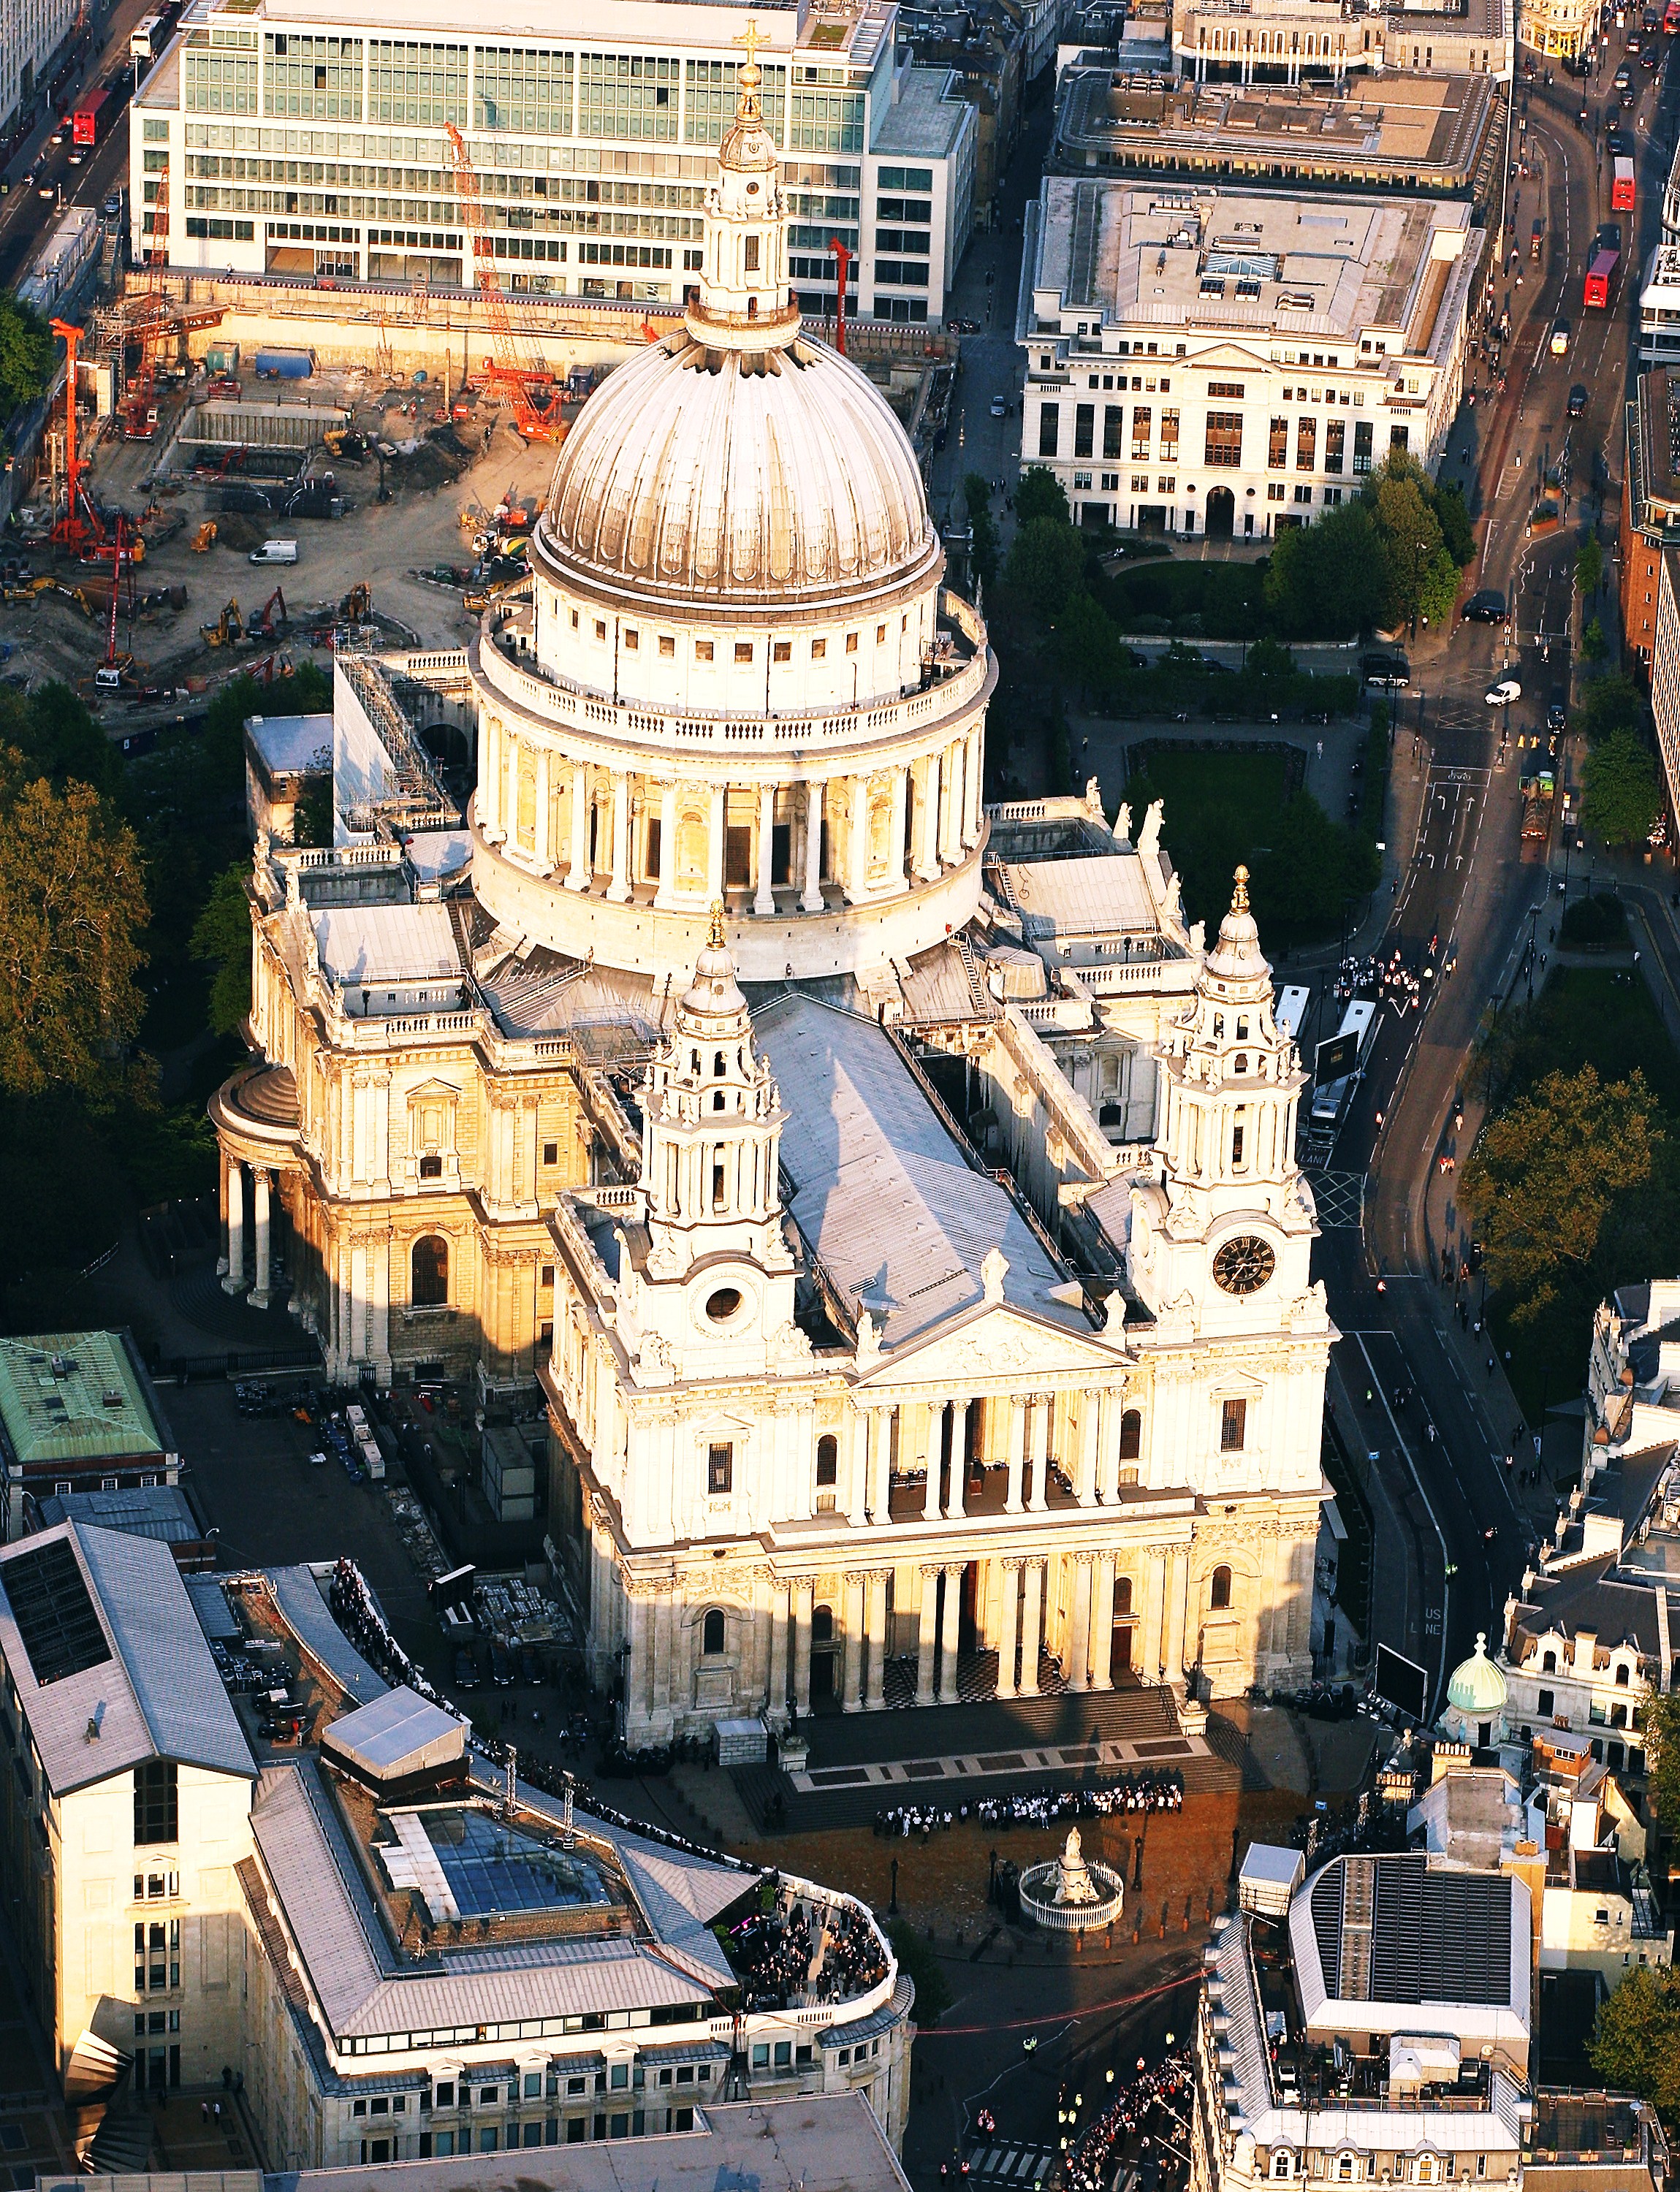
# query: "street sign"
{"points": [[1335, 1058]]}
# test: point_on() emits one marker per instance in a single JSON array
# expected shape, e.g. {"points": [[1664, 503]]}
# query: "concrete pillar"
{"points": [[1078, 1649], [234, 1283], [895, 848], [1018, 1407], [1044, 1404], [1008, 1627], [542, 832], [857, 841], [954, 1506], [1102, 1624], [763, 899], [667, 876], [927, 1634], [714, 846], [810, 899], [259, 1184], [619, 889], [930, 1500], [777, 1700], [1032, 1611], [801, 1643], [852, 1680], [875, 1690], [926, 847], [948, 1633], [577, 875]]}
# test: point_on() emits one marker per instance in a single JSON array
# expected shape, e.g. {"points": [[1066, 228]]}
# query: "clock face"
{"points": [[1243, 1265]]}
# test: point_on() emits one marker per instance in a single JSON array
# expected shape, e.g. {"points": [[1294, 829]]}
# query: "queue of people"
{"points": [[1155, 1792]]}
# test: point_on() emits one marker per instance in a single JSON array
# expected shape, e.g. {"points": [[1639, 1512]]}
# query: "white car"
{"points": [[1507, 690]]}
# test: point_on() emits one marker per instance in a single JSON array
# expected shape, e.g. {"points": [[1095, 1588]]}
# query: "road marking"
{"points": [[1412, 1467]]}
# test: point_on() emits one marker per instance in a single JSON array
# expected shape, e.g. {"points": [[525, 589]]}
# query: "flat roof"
{"points": [[141, 1685], [75, 1396], [1091, 896], [400, 1729], [289, 745], [922, 121], [145, 1510], [819, 2142], [364, 944]]}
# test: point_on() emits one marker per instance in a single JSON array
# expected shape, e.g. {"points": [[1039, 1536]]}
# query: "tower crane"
{"points": [[79, 522], [513, 371], [152, 322]]}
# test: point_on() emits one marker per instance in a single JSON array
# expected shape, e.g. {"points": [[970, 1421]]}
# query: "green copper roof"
{"points": [[1478, 1687], [73, 1397]]}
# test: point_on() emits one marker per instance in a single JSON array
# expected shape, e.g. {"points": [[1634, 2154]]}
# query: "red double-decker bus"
{"points": [[91, 113], [1622, 183], [1599, 276]]}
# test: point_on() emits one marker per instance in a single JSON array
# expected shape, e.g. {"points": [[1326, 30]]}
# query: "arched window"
{"points": [[429, 1272], [711, 1634], [1219, 1590], [1123, 1596], [1131, 1434], [822, 1624], [1621, 1676], [828, 1458], [1549, 1663]]}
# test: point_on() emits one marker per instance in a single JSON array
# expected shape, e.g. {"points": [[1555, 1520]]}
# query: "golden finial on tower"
{"points": [[716, 940], [749, 75], [1239, 896]]}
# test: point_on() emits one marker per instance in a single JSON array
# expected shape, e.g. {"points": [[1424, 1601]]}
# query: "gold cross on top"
{"points": [[751, 39]]}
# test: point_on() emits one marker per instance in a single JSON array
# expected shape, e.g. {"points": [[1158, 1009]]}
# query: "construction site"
{"points": [[236, 471]]}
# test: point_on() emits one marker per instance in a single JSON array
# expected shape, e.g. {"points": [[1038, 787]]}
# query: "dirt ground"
{"points": [[420, 525]]}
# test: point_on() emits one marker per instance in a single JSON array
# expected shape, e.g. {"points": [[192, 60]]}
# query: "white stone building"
{"points": [[873, 1339], [1202, 360]]}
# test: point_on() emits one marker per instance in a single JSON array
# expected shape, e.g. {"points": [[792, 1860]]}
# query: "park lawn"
{"points": [[1585, 1014]]}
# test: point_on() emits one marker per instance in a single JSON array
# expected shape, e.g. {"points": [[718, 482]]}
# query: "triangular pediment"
{"points": [[991, 1344], [1236, 356]]}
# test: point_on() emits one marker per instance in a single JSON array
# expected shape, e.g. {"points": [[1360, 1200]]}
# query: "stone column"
{"points": [[810, 899], [851, 1681], [945, 839], [927, 1632], [1018, 1411], [930, 1498], [1008, 1630], [543, 830], [926, 818], [955, 1508], [259, 1183], [577, 876], [875, 1690], [668, 881], [1042, 1407], [508, 790], [234, 1283], [857, 1472], [1090, 1414], [1154, 1596], [857, 841], [1079, 1633], [1032, 1626], [777, 1700], [972, 776], [895, 848], [949, 1631], [1102, 1624], [717, 822], [346, 1308], [763, 899], [619, 889], [878, 1498], [223, 1161], [636, 1689], [1177, 1572], [802, 1592], [489, 766]]}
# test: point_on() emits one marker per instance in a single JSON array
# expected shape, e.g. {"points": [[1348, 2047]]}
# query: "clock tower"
{"points": [[1223, 1237]]}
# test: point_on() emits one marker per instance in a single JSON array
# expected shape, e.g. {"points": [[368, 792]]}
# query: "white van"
{"points": [[276, 551]]}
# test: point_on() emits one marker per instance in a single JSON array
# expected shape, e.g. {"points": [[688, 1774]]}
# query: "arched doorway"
{"points": [[1120, 1649], [1220, 519]]}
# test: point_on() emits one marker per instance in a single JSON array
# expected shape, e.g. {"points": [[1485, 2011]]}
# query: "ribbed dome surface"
{"points": [[1477, 1686], [722, 474]]}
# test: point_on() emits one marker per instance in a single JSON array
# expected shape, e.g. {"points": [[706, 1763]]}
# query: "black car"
{"points": [[1620, 142], [1578, 399], [1485, 607], [1609, 238]]}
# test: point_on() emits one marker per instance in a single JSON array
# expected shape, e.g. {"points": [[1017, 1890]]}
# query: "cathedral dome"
{"points": [[1478, 1688], [722, 474]]}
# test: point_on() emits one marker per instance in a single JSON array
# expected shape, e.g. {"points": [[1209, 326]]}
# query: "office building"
{"points": [[1650, 504]]}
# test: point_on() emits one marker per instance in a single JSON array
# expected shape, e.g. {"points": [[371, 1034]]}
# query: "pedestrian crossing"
{"points": [[1015, 2166]]}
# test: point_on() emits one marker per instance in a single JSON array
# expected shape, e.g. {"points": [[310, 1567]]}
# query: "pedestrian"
{"points": [[1490, 1365]]}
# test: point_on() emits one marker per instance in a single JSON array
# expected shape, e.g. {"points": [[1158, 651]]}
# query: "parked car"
{"points": [[466, 1671], [1000, 409]]}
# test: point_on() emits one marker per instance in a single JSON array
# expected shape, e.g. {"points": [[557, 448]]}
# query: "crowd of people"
{"points": [[1384, 975], [1151, 2105], [798, 1954], [1154, 1791]]}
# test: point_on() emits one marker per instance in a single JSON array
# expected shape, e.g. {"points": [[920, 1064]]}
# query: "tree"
{"points": [[1452, 514], [58, 738], [1589, 567], [72, 909], [1313, 869], [1635, 2042], [1329, 580], [26, 355], [983, 528], [1624, 792], [1545, 1172], [1594, 646], [1661, 1720], [1398, 497], [1047, 563], [1438, 588], [1088, 645], [221, 938], [1609, 703], [312, 813], [1038, 493]]}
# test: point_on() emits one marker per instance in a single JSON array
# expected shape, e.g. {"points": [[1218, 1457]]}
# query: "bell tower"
{"points": [[745, 302], [1231, 1220]]}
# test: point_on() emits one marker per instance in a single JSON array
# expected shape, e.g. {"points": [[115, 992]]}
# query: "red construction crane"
{"points": [[152, 322], [842, 261], [79, 522], [513, 372]]}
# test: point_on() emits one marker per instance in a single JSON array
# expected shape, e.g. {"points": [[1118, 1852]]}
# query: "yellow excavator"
{"points": [[205, 538], [225, 630]]}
